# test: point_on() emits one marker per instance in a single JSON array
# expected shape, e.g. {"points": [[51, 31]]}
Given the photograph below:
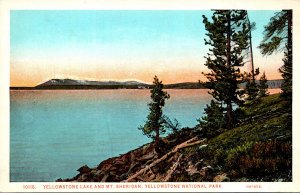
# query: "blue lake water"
{"points": [[54, 132]]}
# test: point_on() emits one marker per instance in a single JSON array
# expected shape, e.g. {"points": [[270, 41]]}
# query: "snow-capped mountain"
{"points": [[71, 82]]}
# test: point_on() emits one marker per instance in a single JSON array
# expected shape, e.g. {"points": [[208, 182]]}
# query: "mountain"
{"points": [[86, 84], [71, 82]]}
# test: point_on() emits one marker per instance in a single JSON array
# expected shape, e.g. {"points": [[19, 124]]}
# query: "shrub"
{"points": [[234, 154], [262, 158]]}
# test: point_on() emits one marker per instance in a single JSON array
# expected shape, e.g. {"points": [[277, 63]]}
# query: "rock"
{"points": [[84, 169], [221, 178], [191, 169], [206, 171]]}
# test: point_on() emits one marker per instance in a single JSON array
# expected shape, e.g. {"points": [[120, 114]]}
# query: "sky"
{"points": [[118, 45]]}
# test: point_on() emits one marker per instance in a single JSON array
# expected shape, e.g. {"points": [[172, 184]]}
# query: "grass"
{"points": [[256, 148]]}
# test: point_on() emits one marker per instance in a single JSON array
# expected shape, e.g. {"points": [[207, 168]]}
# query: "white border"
{"points": [[7, 5]]}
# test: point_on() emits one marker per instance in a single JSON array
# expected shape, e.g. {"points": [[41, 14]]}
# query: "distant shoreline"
{"points": [[188, 85], [273, 84], [34, 88]]}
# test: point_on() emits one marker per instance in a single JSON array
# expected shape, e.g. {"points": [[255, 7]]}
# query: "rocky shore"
{"points": [[148, 163]]}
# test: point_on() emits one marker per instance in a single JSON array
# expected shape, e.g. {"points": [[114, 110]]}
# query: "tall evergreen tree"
{"points": [[228, 40], [278, 36], [263, 86], [154, 124]]}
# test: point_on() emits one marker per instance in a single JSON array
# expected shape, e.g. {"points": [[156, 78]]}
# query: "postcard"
{"points": [[149, 96]]}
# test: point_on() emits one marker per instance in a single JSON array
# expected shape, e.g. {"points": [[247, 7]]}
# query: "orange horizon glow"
{"points": [[37, 76]]}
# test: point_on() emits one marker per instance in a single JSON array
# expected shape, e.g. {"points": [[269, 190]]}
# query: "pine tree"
{"points": [[251, 89], [228, 40], [213, 121], [154, 124], [278, 36], [263, 86]]}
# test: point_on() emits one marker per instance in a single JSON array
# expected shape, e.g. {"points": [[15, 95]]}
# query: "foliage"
{"points": [[228, 39], [286, 72], [214, 120], [261, 158], [275, 33], [278, 37], [266, 105], [154, 124], [251, 89], [234, 154], [239, 113], [263, 87], [174, 125]]}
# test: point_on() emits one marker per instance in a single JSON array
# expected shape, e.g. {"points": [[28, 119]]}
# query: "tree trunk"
{"points": [[288, 65], [156, 137], [228, 46], [290, 38], [251, 51], [229, 115], [228, 57], [290, 52]]}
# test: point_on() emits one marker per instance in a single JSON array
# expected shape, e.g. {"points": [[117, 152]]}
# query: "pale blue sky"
{"points": [[115, 45]]}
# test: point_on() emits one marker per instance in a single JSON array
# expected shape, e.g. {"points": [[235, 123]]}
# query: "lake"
{"points": [[55, 132]]}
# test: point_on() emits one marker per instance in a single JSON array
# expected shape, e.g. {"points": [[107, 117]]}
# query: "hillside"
{"points": [[259, 148]]}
